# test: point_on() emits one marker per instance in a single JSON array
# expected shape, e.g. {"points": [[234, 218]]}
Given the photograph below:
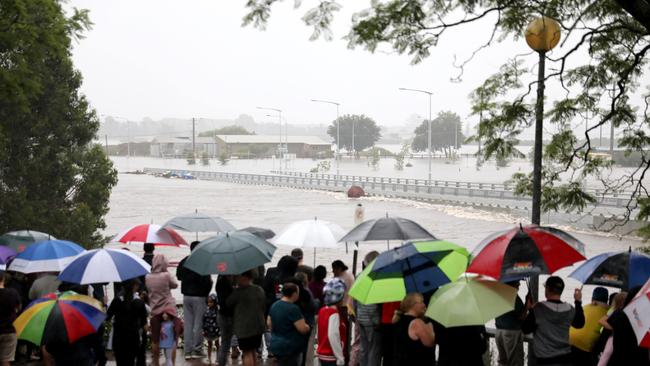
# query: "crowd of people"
{"points": [[293, 315]]}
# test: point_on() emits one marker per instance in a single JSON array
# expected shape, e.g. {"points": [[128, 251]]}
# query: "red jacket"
{"points": [[325, 350]]}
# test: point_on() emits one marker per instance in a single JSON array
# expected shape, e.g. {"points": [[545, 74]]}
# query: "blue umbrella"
{"points": [[625, 270], [104, 265], [46, 256]]}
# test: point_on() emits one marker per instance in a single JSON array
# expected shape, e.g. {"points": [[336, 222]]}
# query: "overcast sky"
{"points": [[160, 58]]}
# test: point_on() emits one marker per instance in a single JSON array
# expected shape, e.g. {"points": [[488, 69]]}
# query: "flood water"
{"points": [[138, 199]]}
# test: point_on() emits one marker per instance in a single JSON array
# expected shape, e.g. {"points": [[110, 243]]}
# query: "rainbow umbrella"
{"points": [[55, 317]]}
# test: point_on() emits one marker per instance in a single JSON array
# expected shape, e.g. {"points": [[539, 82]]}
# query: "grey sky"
{"points": [[162, 58]]}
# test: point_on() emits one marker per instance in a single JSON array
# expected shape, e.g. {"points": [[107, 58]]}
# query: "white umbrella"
{"points": [[311, 234]]}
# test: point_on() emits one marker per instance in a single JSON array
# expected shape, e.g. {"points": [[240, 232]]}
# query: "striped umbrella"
{"points": [[104, 265], [68, 316], [626, 269], [150, 233], [46, 256]]}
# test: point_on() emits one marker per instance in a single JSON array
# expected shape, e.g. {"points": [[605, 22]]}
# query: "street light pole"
{"points": [[280, 120], [338, 135], [429, 93]]}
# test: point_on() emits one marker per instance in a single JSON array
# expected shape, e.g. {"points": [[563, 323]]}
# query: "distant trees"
{"points": [[365, 130], [228, 130], [445, 133]]}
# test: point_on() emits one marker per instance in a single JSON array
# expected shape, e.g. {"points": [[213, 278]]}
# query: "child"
{"points": [[168, 338], [331, 327], [211, 326]]}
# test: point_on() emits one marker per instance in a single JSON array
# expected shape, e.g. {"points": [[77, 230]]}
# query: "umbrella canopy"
{"points": [[626, 269], [198, 222], [310, 234], [104, 265], [525, 251], [6, 254], [21, 239], [150, 233], [470, 301], [68, 316], [230, 253], [259, 231], [415, 267], [46, 256], [387, 228], [638, 312]]}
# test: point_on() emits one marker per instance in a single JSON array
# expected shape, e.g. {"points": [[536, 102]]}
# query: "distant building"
{"points": [[179, 147], [268, 145]]}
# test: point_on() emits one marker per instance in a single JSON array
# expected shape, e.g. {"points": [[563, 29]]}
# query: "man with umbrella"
{"points": [[195, 289], [550, 321]]}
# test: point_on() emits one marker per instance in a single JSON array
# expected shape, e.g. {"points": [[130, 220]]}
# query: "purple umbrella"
{"points": [[6, 254]]}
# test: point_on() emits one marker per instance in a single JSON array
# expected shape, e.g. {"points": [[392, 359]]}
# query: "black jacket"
{"points": [[192, 283]]}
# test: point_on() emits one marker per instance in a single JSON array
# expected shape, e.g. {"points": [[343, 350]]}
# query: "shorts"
{"points": [[155, 322], [8, 346], [250, 343]]}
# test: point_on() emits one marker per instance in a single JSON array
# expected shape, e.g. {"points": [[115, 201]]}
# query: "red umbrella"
{"points": [[150, 233], [525, 251]]}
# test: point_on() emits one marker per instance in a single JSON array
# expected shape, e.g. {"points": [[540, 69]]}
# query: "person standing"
{"points": [[130, 318], [368, 321], [298, 254], [359, 214], [626, 346], [148, 249], [195, 289], [340, 270], [316, 286], [288, 327], [211, 325], [509, 338], [331, 326], [9, 308], [414, 339], [550, 321], [224, 288], [582, 340], [247, 300], [159, 285]]}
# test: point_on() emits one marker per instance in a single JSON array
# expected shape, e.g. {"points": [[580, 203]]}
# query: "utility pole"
{"points": [[611, 139], [193, 137]]}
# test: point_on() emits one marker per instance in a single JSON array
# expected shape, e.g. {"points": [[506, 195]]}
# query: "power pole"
{"points": [[193, 137]]}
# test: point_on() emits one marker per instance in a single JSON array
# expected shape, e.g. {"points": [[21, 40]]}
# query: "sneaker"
{"points": [[198, 354]]}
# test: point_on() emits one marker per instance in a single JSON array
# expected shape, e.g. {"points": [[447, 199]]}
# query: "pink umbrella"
{"points": [[638, 312], [150, 233]]}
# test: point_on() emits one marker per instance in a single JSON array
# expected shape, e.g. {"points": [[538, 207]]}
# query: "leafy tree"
{"points": [[445, 134], [52, 177], [399, 157], [223, 158], [602, 89], [227, 130], [366, 131]]}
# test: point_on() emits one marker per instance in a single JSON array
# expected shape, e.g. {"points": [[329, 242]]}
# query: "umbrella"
{"points": [[150, 233], [258, 231], [525, 251], [68, 316], [626, 269], [198, 222], [6, 254], [310, 234], [387, 228], [104, 265], [230, 253], [638, 312], [470, 301], [46, 256], [415, 267], [20, 240]]}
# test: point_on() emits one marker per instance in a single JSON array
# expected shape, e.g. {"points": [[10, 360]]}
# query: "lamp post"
{"points": [[429, 93], [338, 135], [279, 120]]}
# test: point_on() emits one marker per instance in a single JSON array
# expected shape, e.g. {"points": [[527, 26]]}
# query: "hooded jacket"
{"points": [[159, 284]]}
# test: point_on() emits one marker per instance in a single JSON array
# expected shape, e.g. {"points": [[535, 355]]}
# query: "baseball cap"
{"points": [[334, 291]]}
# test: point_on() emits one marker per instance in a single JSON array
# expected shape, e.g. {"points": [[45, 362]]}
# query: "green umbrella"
{"points": [[230, 253], [470, 301], [415, 267]]}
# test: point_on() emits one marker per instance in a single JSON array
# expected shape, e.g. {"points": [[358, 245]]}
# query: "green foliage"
{"points": [[53, 178], [445, 134], [374, 158], [399, 157], [322, 167], [191, 159], [223, 158], [366, 131], [228, 130], [205, 158]]}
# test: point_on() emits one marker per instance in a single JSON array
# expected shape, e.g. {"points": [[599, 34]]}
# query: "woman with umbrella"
{"points": [[159, 285], [130, 318], [414, 338]]}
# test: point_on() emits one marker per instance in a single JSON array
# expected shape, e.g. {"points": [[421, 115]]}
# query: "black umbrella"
{"points": [[388, 228], [259, 231]]}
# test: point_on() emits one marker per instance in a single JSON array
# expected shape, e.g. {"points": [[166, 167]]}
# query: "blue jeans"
{"points": [[193, 310]]}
